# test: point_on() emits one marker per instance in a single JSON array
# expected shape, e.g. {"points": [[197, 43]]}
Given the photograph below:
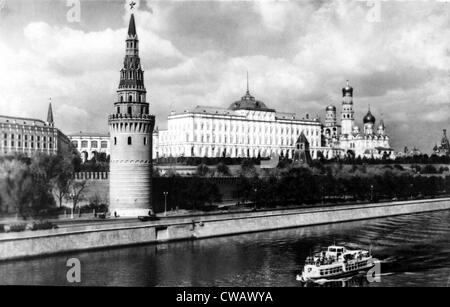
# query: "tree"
{"points": [[61, 182], [202, 170], [16, 187], [76, 188], [223, 169]]}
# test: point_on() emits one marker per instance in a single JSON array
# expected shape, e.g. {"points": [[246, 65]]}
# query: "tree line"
{"points": [[33, 187]]}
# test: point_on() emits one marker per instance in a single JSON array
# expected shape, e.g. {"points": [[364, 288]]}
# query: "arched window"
{"points": [[121, 98], [129, 110], [118, 110], [115, 141], [129, 140], [145, 141], [130, 98]]}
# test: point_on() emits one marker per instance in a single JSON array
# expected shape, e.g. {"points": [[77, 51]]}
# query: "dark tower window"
{"points": [[145, 141], [121, 98], [118, 110], [115, 141], [129, 110], [129, 140], [130, 98]]}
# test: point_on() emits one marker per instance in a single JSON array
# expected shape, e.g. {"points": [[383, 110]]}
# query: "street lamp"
{"points": [[371, 192], [165, 203], [72, 196]]}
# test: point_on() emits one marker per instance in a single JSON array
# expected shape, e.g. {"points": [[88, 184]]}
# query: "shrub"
{"points": [[399, 167], [17, 227], [43, 225], [429, 169]]}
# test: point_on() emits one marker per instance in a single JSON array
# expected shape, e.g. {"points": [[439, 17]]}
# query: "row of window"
{"points": [[331, 271], [25, 137], [94, 144], [236, 139], [25, 144], [130, 141], [259, 129], [144, 109], [354, 266]]}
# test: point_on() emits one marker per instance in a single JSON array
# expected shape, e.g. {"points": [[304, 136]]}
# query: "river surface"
{"points": [[414, 250]]}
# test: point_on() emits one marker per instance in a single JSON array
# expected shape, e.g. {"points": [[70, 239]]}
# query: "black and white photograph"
{"points": [[193, 144]]}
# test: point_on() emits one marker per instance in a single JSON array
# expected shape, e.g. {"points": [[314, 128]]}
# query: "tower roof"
{"points": [[50, 113], [369, 118], [248, 102], [132, 26], [347, 90], [302, 138]]}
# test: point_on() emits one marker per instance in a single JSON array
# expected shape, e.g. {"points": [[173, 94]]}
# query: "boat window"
{"points": [[332, 249]]}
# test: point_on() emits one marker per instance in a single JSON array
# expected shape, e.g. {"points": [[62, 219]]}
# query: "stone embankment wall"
{"points": [[121, 233]]}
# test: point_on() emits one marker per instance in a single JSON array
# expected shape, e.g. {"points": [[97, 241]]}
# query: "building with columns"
{"points": [[347, 139], [131, 129], [247, 128], [90, 144], [20, 135]]}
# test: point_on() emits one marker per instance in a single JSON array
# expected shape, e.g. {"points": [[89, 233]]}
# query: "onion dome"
{"points": [[369, 118], [347, 90], [331, 108]]}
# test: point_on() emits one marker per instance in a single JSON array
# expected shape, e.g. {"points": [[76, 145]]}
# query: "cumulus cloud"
{"points": [[298, 54]]}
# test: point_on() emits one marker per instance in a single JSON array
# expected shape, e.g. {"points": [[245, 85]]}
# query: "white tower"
{"points": [[347, 119], [131, 129]]}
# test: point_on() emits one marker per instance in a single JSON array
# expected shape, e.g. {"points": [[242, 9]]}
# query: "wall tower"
{"points": [[131, 129]]}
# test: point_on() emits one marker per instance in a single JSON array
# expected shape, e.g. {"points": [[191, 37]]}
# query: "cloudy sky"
{"points": [[298, 54]]}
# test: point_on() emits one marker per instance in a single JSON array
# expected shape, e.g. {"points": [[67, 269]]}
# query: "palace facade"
{"points": [[247, 128], [89, 145], [19, 135]]}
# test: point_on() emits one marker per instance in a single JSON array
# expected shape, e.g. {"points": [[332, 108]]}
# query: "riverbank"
{"points": [[95, 236]]}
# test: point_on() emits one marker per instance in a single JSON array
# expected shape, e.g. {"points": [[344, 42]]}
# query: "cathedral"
{"points": [[347, 140], [444, 147]]}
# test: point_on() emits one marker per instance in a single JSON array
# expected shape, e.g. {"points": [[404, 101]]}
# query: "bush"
{"points": [[43, 225], [17, 227], [429, 169]]}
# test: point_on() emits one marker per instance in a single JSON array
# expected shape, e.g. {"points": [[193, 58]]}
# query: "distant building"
{"points": [[443, 149], [346, 139], [89, 145], [29, 135], [247, 128]]}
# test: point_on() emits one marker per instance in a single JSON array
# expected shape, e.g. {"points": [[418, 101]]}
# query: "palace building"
{"points": [[130, 130], [247, 128], [347, 139], [19, 135], [90, 144]]}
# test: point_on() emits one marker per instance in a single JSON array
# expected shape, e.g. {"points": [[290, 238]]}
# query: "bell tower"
{"points": [[131, 129], [347, 113]]}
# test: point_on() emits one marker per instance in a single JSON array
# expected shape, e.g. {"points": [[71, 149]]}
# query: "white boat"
{"points": [[335, 262]]}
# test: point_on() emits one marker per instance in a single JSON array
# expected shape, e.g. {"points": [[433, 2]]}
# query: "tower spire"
{"points": [[50, 113], [132, 26], [248, 91]]}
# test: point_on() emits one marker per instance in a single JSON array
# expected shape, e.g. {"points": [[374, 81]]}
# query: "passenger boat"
{"points": [[335, 262]]}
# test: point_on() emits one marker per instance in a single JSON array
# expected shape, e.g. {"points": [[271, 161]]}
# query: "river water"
{"points": [[414, 250]]}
